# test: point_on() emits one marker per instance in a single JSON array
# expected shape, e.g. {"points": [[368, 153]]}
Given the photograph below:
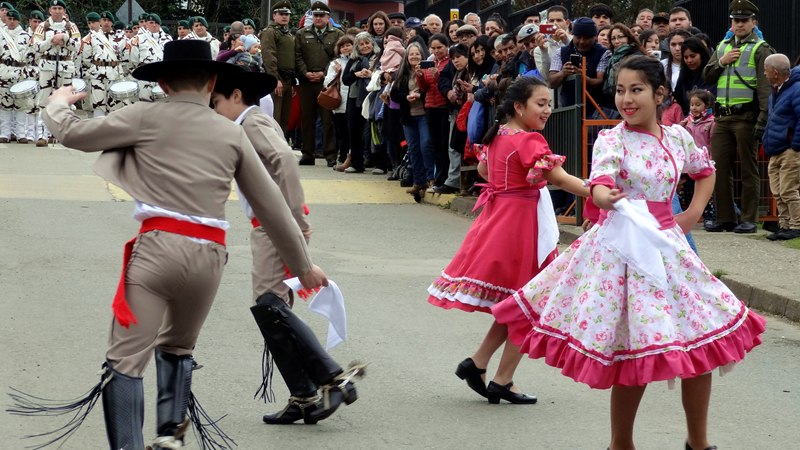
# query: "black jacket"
{"points": [[398, 94]]}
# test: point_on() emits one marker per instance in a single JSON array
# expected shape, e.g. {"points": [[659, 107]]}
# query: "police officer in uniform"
{"points": [[737, 68], [313, 52], [277, 49]]}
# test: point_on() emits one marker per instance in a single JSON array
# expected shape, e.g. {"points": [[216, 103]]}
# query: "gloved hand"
{"points": [[758, 131]]}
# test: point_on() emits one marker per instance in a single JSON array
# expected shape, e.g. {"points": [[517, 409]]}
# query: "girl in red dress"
{"points": [[501, 251]]}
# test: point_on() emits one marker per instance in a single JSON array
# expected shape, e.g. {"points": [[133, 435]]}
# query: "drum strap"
{"points": [[104, 42], [12, 46], [157, 48]]}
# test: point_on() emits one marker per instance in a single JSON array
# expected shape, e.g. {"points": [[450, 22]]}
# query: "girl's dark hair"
{"points": [[501, 23], [645, 35], [446, 29], [519, 92], [706, 97], [459, 49], [628, 34], [678, 32], [696, 46], [419, 40], [441, 38], [473, 68], [650, 70], [396, 32], [705, 40], [423, 33]]}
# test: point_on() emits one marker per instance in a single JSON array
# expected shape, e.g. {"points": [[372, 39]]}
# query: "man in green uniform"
{"points": [[313, 52], [277, 49], [737, 69]]}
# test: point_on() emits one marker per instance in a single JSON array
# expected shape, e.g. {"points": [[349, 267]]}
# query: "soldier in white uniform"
{"points": [[200, 31], [93, 21], [36, 19], [107, 51], [4, 8], [142, 23], [56, 41], [15, 60], [148, 48], [183, 29]]}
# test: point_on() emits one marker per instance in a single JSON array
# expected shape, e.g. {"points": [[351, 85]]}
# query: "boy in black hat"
{"points": [[303, 363], [153, 152]]}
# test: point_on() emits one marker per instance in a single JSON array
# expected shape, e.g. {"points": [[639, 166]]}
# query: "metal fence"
{"points": [[777, 19]]}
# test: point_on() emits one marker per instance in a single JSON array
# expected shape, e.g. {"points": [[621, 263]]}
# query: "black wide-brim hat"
{"points": [[259, 83], [185, 55]]}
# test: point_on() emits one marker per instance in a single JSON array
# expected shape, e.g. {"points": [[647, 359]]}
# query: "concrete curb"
{"points": [[773, 300]]}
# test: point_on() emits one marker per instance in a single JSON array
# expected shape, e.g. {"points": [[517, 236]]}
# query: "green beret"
{"points": [[107, 15], [154, 18], [6, 5], [165, 29], [200, 20], [58, 3], [13, 13], [227, 29], [128, 27], [142, 16], [184, 24], [119, 25], [37, 15], [250, 22], [91, 17]]}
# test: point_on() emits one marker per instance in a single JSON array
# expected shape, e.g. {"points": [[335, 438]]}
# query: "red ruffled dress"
{"points": [[499, 253], [606, 321]]}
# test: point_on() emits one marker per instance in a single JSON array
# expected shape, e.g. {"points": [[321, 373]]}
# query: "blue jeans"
{"points": [[676, 209], [420, 149]]}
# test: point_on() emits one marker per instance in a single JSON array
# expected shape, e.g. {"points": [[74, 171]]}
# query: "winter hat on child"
{"points": [[248, 41]]}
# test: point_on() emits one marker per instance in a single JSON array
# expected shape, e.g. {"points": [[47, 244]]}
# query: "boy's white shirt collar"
{"points": [[240, 119]]}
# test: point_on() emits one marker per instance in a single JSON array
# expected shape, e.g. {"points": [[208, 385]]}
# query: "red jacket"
{"points": [[428, 83]]}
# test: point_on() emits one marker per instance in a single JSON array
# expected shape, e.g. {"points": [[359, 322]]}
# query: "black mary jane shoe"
{"points": [[713, 447], [468, 371], [495, 392]]}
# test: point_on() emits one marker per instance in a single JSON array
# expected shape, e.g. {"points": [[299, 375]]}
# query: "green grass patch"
{"points": [[758, 237], [794, 243], [446, 205], [719, 273]]}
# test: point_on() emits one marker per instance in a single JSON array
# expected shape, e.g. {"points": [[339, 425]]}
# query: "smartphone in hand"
{"points": [[426, 64], [547, 28], [575, 60]]}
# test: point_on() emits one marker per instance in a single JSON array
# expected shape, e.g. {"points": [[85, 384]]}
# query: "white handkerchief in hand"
{"points": [[548, 226], [633, 232], [328, 303]]}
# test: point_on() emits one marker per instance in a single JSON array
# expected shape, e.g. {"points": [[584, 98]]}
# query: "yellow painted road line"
{"points": [[94, 188]]}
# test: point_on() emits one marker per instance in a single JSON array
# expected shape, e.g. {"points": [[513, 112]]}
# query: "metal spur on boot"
{"points": [[341, 390]]}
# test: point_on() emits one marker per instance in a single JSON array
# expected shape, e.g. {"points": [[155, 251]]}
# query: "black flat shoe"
{"points": [[713, 447], [495, 392], [467, 371], [746, 228], [719, 227]]}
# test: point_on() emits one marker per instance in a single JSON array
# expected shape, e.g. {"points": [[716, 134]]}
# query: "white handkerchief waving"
{"points": [[328, 303], [633, 232]]}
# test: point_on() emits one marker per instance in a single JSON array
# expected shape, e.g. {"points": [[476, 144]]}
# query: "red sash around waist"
{"points": [[304, 293], [122, 311], [489, 194], [662, 211]]}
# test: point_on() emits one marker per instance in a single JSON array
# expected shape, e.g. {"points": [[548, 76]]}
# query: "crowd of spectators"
{"points": [[418, 93]]}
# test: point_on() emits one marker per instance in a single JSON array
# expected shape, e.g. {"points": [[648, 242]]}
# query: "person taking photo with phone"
{"points": [[584, 44]]}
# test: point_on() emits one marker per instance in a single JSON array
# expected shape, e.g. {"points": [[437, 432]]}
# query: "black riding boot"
{"points": [[174, 376], [123, 410], [297, 339], [302, 388]]}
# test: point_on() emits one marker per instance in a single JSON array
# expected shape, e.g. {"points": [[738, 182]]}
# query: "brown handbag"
{"points": [[330, 97]]}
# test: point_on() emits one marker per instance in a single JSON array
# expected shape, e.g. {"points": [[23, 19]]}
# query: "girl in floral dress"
{"points": [[602, 319], [501, 250]]}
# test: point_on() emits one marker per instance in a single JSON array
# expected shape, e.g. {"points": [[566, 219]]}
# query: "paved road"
{"points": [[61, 237]]}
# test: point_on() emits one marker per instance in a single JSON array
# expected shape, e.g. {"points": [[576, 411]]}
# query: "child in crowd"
{"points": [[671, 112], [700, 124], [515, 235], [393, 50], [249, 57], [612, 317]]}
